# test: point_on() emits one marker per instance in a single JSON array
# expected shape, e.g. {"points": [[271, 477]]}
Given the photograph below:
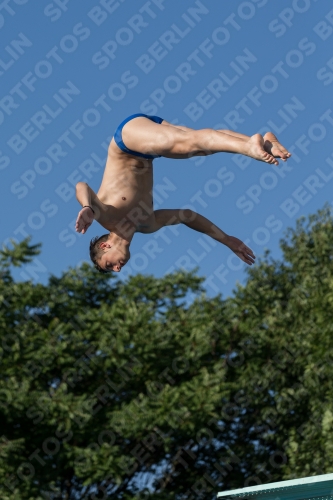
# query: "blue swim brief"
{"points": [[119, 140]]}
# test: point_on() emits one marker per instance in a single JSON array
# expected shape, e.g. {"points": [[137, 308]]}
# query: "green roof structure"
{"points": [[306, 488]]}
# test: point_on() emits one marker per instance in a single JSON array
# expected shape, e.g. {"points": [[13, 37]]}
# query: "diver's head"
{"points": [[109, 252]]}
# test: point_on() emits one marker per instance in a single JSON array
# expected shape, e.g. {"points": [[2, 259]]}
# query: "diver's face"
{"points": [[113, 258]]}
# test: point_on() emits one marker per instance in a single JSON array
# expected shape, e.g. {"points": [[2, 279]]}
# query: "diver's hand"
{"points": [[240, 249], [84, 220]]}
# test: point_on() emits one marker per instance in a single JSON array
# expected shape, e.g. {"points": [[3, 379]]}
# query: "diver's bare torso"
{"points": [[126, 191]]}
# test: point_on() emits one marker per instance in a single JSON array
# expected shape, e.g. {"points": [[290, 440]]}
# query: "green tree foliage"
{"points": [[132, 391]]}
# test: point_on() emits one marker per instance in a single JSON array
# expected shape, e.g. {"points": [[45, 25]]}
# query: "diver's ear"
{"points": [[105, 244]]}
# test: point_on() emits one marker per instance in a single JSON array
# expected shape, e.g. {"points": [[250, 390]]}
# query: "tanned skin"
{"points": [[123, 204]]}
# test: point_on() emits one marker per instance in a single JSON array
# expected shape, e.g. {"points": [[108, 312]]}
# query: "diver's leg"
{"points": [[148, 137]]}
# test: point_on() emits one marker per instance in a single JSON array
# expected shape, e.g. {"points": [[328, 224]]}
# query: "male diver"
{"points": [[123, 204]]}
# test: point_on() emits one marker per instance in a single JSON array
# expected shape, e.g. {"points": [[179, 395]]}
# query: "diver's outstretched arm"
{"points": [[199, 223]]}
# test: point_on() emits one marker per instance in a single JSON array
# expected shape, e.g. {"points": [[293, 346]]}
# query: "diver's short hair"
{"points": [[96, 252]]}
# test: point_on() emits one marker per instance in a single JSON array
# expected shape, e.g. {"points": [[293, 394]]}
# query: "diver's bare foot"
{"points": [[272, 146], [257, 151]]}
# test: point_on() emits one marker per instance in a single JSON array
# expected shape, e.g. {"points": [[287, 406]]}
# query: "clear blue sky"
{"points": [[71, 71]]}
